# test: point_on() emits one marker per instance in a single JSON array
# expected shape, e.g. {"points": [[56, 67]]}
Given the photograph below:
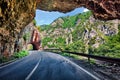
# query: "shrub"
{"points": [[21, 54], [3, 59], [26, 36]]}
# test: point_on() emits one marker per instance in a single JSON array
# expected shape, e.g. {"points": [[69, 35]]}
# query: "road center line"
{"points": [[31, 73]]}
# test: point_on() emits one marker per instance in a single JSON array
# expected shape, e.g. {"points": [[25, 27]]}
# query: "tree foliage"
{"points": [[111, 47]]}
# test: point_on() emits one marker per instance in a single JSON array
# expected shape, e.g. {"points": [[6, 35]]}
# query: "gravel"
{"points": [[103, 70]]}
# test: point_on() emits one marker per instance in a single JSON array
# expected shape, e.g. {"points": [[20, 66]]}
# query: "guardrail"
{"points": [[102, 58]]}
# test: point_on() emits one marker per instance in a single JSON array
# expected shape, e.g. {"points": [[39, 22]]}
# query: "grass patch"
{"points": [[77, 57], [3, 59], [72, 56], [92, 61], [21, 54], [65, 54], [15, 56]]}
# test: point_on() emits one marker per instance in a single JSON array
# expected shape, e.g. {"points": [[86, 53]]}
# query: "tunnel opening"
{"points": [[36, 39], [29, 47], [47, 17], [46, 20]]}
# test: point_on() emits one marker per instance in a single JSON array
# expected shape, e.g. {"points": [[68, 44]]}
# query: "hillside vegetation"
{"points": [[83, 33]]}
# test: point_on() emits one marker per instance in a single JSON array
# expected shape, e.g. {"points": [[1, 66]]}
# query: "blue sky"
{"points": [[46, 17]]}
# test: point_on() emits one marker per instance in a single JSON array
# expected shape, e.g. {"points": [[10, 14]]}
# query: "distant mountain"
{"points": [[79, 33]]}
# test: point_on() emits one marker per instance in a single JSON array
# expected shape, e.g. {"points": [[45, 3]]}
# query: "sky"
{"points": [[46, 17]]}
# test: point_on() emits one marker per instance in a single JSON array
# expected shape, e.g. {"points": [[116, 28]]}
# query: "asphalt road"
{"points": [[41, 65]]}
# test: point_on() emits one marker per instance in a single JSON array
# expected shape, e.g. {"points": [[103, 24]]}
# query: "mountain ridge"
{"points": [[78, 33]]}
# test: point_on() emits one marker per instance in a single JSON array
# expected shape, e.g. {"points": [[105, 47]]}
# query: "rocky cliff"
{"points": [[80, 31], [102, 9], [20, 41], [14, 16], [24, 37]]}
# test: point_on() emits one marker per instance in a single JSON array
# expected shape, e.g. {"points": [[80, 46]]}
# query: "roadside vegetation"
{"points": [[21, 54], [16, 55], [111, 47], [72, 56]]}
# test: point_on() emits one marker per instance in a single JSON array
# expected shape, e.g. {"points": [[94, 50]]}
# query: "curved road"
{"points": [[41, 65]]}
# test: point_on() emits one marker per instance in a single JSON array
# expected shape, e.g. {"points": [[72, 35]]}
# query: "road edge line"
{"points": [[14, 61], [92, 75]]}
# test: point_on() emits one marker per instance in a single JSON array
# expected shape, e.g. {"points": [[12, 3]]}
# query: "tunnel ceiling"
{"points": [[102, 9]]}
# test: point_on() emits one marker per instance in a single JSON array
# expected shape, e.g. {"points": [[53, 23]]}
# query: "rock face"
{"points": [[90, 31], [102, 9], [14, 16], [20, 41], [24, 38], [97, 31]]}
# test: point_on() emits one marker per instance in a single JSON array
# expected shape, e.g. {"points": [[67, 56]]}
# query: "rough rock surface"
{"points": [[24, 37], [102, 9], [92, 32], [14, 16]]}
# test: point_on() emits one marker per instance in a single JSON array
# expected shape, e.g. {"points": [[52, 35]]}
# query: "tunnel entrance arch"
{"points": [[29, 47], [36, 40]]}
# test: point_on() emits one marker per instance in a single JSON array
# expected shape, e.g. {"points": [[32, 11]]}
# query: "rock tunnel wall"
{"points": [[16, 14], [102, 9]]}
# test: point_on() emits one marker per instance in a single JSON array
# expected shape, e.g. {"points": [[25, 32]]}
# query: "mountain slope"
{"points": [[79, 33]]}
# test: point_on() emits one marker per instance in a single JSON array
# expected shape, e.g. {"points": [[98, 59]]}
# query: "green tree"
{"points": [[34, 22], [111, 47], [60, 42], [45, 41]]}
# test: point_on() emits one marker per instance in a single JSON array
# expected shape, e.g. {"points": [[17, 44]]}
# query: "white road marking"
{"points": [[83, 69], [31, 73], [15, 61]]}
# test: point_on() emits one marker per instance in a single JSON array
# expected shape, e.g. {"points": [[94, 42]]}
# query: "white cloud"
{"points": [[85, 10]]}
